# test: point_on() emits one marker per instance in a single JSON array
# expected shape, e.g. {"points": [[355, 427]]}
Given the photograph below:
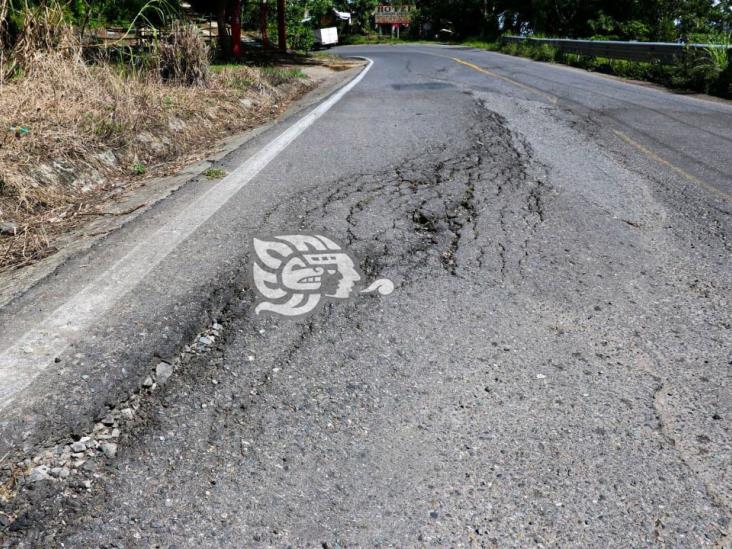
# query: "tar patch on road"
{"points": [[423, 86]]}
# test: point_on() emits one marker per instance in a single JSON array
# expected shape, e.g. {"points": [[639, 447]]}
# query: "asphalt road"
{"points": [[552, 368]]}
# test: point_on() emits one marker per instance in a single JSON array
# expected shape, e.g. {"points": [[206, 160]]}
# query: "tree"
{"points": [[465, 17], [361, 13], [218, 9], [623, 19]]}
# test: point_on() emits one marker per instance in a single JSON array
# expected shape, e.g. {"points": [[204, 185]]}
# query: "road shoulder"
{"points": [[111, 359]]}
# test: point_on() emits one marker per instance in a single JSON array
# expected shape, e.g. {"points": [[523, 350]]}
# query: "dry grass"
{"points": [[44, 29], [70, 133], [184, 57]]}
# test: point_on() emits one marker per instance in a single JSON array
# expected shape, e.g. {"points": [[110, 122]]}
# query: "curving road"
{"points": [[552, 368]]}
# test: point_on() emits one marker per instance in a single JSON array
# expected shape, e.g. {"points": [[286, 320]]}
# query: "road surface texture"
{"points": [[552, 368]]}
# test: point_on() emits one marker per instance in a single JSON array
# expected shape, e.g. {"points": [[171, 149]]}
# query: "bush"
{"points": [[184, 57], [712, 66], [723, 85], [300, 38], [299, 35], [36, 32], [631, 69], [544, 52]]}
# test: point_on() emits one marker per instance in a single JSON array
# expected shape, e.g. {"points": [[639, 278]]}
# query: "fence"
{"points": [[143, 37], [664, 52]]}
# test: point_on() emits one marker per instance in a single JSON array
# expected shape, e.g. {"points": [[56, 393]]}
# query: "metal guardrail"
{"points": [[664, 52]]}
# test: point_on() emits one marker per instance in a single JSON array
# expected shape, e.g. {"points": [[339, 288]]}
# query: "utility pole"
{"points": [[281, 30]]}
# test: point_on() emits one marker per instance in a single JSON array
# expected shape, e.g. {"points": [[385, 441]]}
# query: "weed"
{"points": [[712, 65], [184, 57], [214, 173], [108, 128], [718, 57], [240, 81], [278, 76], [138, 168], [217, 68], [544, 52]]}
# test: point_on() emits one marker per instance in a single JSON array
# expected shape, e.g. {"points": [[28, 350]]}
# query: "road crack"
{"points": [[467, 208]]}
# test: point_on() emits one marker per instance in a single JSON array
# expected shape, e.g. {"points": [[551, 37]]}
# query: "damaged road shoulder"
{"points": [[138, 297]]}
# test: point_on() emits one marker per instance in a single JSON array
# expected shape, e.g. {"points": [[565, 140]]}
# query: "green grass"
{"points": [[272, 74], [482, 44], [219, 67], [277, 76], [104, 127], [138, 168], [214, 173], [283, 73], [240, 81]]}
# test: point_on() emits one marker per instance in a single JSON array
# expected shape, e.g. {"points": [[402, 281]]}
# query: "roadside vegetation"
{"points": [[81, 123], [215, 173], [707, 70]]}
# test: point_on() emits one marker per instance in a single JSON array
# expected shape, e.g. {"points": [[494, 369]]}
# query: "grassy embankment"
{"points": [[75, 133]]}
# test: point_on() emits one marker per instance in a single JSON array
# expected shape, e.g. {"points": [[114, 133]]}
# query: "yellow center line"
{"points": [[552, 99], [646, 151], [653, 156]]}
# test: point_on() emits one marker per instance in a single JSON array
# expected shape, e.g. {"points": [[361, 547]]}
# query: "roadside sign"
{"points": [[394, 15]]}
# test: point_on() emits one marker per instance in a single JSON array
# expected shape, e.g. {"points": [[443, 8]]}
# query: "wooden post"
{"points": [[281, 27], [236, 28], [222, 33], [263, 23]]}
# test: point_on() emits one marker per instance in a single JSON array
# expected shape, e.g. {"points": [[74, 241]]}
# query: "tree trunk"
{"points": [[223, 37], [236, 28], [263, 23], [281, 27]]}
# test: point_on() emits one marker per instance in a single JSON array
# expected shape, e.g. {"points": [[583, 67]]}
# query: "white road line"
{"points": [[27, 357]]}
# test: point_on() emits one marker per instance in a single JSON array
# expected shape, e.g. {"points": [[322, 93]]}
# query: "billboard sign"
{"points": [[394, 15]]}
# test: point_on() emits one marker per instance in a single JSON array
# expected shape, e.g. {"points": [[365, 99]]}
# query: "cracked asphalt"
{"points": [[552, 368]]}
